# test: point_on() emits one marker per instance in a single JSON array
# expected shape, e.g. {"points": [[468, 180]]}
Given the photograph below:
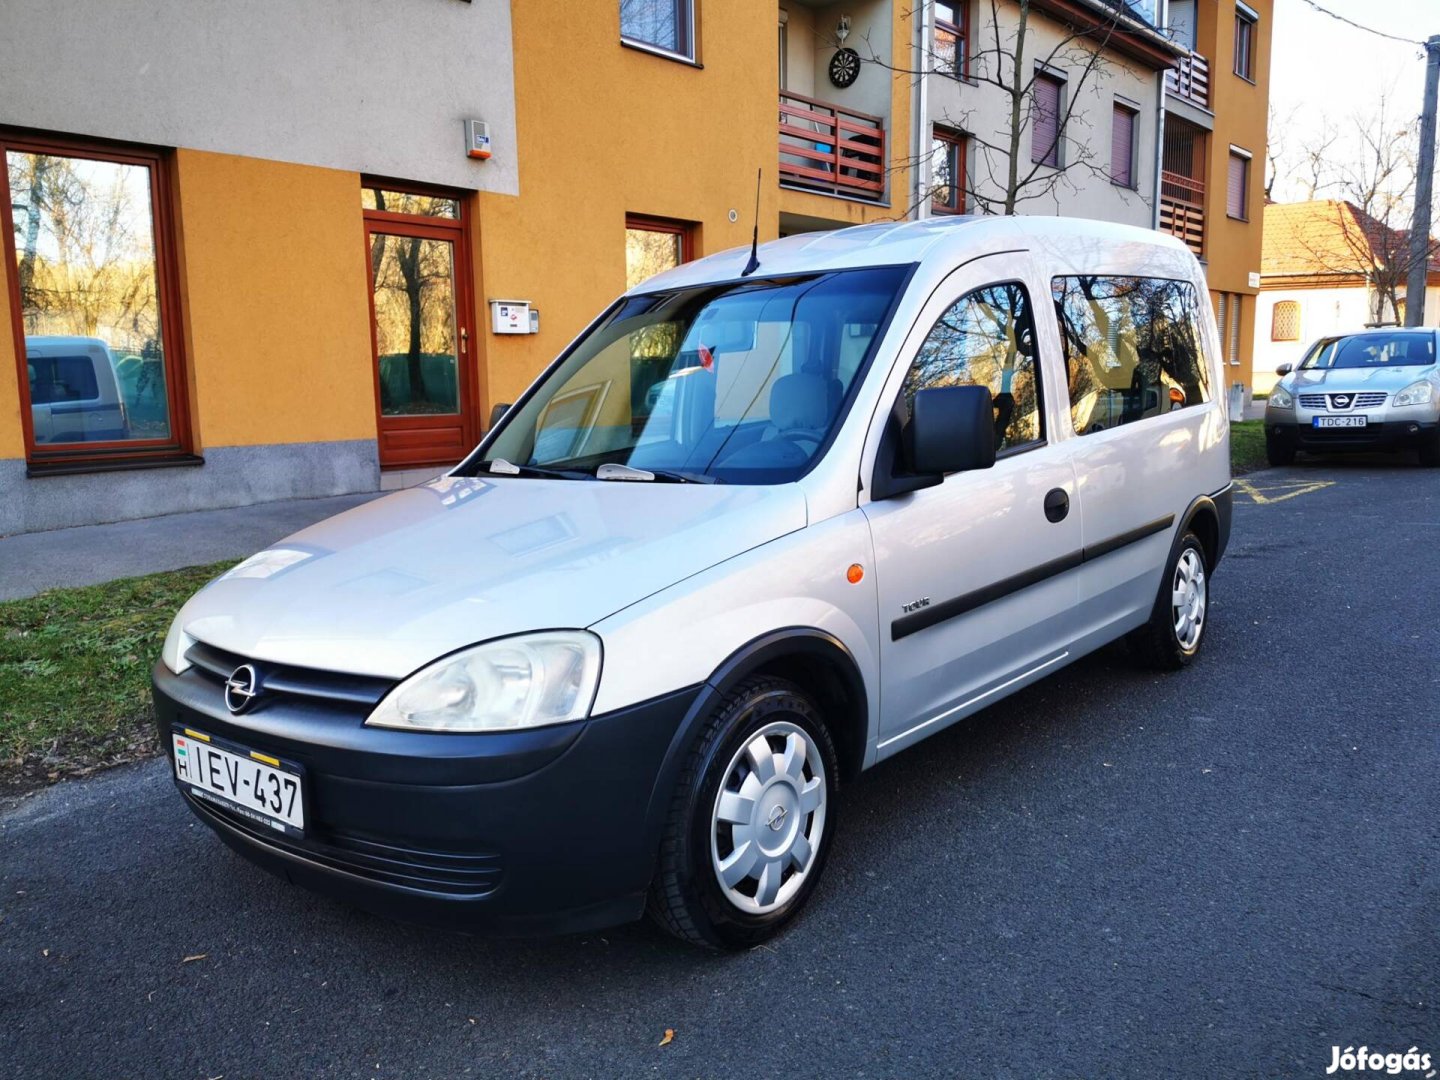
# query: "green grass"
{"points": [[1247, 446], [75, 674]]}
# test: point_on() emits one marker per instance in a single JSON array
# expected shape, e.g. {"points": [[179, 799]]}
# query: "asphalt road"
{"points": [[1222, 872]]}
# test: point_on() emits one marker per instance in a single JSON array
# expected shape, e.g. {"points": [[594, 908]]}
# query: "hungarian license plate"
{"points": [[1340, 421], [246, 782]]}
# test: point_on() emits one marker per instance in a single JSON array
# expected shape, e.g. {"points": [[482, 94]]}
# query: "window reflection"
{"points": [[85, 263]]}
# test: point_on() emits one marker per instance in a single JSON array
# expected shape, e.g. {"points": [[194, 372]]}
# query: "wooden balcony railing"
{"points": [[1190, 79], [832, 149], [1182, 209]]}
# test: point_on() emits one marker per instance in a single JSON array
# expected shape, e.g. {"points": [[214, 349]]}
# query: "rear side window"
{"points": [[61, 378], [986, 338], [1132, 348]]}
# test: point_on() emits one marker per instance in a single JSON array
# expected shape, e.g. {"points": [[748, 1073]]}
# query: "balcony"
{"points": [[1182, 209], [828, 148], [1189, 80]]}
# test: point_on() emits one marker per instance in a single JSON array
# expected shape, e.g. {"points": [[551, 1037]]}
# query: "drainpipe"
{"points": [[920, 124], [1159, 150]]}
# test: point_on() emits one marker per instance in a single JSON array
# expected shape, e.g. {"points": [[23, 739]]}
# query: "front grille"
{"points": [[1324, 403], [470, 874], [358, 693]]}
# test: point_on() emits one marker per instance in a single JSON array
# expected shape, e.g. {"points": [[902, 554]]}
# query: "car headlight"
{"points": [[519, 682], [1280, 398], [1417, 393], [177, 644]]}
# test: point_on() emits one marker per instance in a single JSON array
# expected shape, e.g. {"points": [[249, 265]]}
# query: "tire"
{"points": [[1430, 451], [1171, 639], [1277, 452], [786, 821]]}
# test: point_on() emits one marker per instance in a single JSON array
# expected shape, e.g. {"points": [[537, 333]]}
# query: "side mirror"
{"points": [[497, 412], [1285, 369], [952, 429]]}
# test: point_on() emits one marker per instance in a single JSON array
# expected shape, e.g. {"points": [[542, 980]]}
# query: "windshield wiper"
{"points": [[501, 467], [613, 470]]}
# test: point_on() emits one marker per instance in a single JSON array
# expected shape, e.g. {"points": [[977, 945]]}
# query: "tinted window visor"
{"points": [[741, 383], [1373, 350]]}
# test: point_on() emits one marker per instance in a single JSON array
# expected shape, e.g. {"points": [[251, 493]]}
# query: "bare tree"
{"points": [[1004, 57], [1371, 171]]}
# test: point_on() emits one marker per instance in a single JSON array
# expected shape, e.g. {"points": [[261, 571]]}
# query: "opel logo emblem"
{"points": [[242, 688], [776, 818]]}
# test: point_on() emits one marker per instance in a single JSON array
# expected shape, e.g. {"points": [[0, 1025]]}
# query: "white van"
{"points": [[74, 391], [630, 652]]}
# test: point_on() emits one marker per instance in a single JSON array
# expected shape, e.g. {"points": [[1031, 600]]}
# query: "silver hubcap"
{"points": [[768, 818], [1188, 599]]}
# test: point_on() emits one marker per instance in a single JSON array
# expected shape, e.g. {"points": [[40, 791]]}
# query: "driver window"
{"points": [[986, 338]]}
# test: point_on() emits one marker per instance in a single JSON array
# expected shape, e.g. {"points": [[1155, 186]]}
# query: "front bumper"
{"points": [[1290, 429], [550, 830]]}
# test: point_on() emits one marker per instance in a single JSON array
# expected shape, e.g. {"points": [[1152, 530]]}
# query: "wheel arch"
{"points": [[817, 661], [1208, 517]]}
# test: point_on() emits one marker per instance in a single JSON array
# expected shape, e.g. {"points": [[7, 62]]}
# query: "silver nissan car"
{"points": [[1376, 390]]}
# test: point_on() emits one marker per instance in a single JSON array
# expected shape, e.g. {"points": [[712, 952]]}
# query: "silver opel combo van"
{"points": [[757, 529]]}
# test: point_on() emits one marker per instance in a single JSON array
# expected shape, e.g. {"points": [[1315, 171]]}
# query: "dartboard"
{"points": [[844, 67]]}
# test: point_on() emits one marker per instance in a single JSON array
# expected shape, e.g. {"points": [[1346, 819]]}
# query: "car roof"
{"points": [[941, 242], [46, 343]]}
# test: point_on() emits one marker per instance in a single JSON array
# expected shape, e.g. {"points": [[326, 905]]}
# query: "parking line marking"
{"points": [[1272, 493]]}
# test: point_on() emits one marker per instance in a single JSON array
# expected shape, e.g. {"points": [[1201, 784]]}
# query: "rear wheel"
{"points": [[751, 822], [1173, 635], [1278, 452]]}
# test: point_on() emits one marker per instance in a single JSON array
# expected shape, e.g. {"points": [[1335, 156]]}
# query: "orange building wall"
{"points": [[1241, 109], [275, 307], [592, 150]]}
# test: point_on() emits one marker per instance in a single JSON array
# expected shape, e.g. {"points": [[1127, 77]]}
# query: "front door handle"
{"points": [[1057, 504]]}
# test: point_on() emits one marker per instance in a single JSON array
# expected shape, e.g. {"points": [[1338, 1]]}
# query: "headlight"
{"points": [[1417, 393], [177, 643], [520, 682], [1280, 398]]}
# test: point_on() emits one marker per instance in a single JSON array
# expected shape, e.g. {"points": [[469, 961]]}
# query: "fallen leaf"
{"points": [[669, 1037], [197, 956]]}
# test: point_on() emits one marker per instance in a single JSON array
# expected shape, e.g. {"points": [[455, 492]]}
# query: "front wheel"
{"points": [[1172, 636], [1278, 452], [752, 820], [1430, 450]]}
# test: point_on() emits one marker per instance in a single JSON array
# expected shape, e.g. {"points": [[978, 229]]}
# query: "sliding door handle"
{"points": [[1057, 504]]}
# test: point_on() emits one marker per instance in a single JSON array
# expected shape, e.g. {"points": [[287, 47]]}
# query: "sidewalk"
{"points": [[33, 562]]}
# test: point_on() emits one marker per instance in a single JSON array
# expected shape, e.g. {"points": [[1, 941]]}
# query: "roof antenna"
{"points": [[754, 263]]}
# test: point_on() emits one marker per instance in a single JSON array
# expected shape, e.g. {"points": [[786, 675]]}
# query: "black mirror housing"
{"points": [[497, 412], [952, 429], [1285, 369]]}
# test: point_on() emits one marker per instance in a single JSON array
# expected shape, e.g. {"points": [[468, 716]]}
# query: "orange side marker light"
{"points": [[855, 573]]}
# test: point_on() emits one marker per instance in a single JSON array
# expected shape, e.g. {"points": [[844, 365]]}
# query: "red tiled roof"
{"points": [[1327, 236]]}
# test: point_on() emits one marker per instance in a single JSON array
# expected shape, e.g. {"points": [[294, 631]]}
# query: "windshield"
{"points": [[737, 383], [1372, 350]]}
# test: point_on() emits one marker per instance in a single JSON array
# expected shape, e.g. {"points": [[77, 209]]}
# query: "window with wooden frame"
{"points": [[1237, 185], [947, 171], [1048, 93], [1245, 21], [952, 36], [664, 25], [94, 296], [1285, 321], [1122, 145], [654, 245]]}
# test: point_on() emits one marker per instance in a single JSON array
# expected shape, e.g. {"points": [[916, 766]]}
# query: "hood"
{"points": [[1388, 379], [389, 586]]}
